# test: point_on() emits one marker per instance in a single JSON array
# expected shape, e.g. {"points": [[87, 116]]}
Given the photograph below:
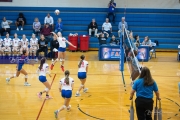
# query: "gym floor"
{"points": [[105, 100]]}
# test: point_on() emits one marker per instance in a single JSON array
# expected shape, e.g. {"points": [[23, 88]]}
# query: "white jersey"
{"points": [[65, 86], [7, 42], [83, 66], [107, 26], [34, 42], [44, 70], [24, 43], [62, 42], [1, 42], [16, 42]]}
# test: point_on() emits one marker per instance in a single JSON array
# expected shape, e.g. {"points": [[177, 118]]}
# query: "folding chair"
{"points": [[153, 51]]}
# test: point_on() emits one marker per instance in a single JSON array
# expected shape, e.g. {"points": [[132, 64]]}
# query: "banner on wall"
{"points": [[110, 53], [5, 0]]}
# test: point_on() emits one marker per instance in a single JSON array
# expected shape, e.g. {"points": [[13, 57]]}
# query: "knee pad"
{"points": [[57, 59], [26, 76], [64, 107], [82, 85], [46, 89], [15, 75]]}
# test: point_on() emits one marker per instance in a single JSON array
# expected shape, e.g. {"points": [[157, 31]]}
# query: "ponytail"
{"points": [[80, 63], [82, 58], [67, 77], [43, 60]]}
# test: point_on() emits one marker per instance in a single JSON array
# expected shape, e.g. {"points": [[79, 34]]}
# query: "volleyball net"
{"points": [[128, 53]]}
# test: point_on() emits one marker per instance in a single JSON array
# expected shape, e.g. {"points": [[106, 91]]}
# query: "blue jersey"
{"points": [[21, 62], [144, 91], [111, 8]]}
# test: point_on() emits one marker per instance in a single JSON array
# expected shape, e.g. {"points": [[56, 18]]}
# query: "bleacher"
{"points": [[159, 24]]}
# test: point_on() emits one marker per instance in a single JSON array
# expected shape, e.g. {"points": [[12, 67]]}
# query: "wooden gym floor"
{"points": [[105, 100]]}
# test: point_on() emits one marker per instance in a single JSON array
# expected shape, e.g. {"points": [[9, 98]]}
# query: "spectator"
{"points": [[5, 24], [137, 40], [42, 46], [93, 27], [7, 43], [107, 27], [113, 41], [46, 31], [112, 6], [59, 26], [54, 46], [102, 38], [48, 19], [1, 46], [121, 27], [24, 44], [144, 87], [36, 26], [21, 21], [147, 42]]}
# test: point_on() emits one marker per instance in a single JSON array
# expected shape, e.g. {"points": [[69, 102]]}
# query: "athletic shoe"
{"points": [[39, 95], [7, 80], [21, 28], [85, 90], [48, 97], [51, 67], [17, 29], [56, 113], [77, 95], [27, 84], [62, 67], [69, 108]]}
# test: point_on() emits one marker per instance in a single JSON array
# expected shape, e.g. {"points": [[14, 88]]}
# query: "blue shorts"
{"points": [[19, 67], [81, 75], [42, 79], [60, 49], [66, 93]]}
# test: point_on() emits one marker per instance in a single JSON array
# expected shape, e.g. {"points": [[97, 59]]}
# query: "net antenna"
{"points": [[132, 50]]}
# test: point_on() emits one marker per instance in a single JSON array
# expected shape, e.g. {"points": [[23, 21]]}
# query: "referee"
{"points": [[144, 87]]}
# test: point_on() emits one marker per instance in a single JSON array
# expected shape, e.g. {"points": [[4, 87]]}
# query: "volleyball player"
{"points": [[1, 46], [16, 44], [7, 44], [20, 69], [82, 73], [65, 87], [135, 66], [61, 50], [33, 45], [42, 71], [24, 43]]}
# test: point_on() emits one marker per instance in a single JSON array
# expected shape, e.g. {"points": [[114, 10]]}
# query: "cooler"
{"points": [[84, 43], [74, 41]]}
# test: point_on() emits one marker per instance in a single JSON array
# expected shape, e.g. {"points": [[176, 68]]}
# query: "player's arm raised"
{"points": [[54, 34], [70, 44]]}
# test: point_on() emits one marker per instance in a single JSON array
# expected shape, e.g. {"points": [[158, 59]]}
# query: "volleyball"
{"points": [[57, 12]]}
